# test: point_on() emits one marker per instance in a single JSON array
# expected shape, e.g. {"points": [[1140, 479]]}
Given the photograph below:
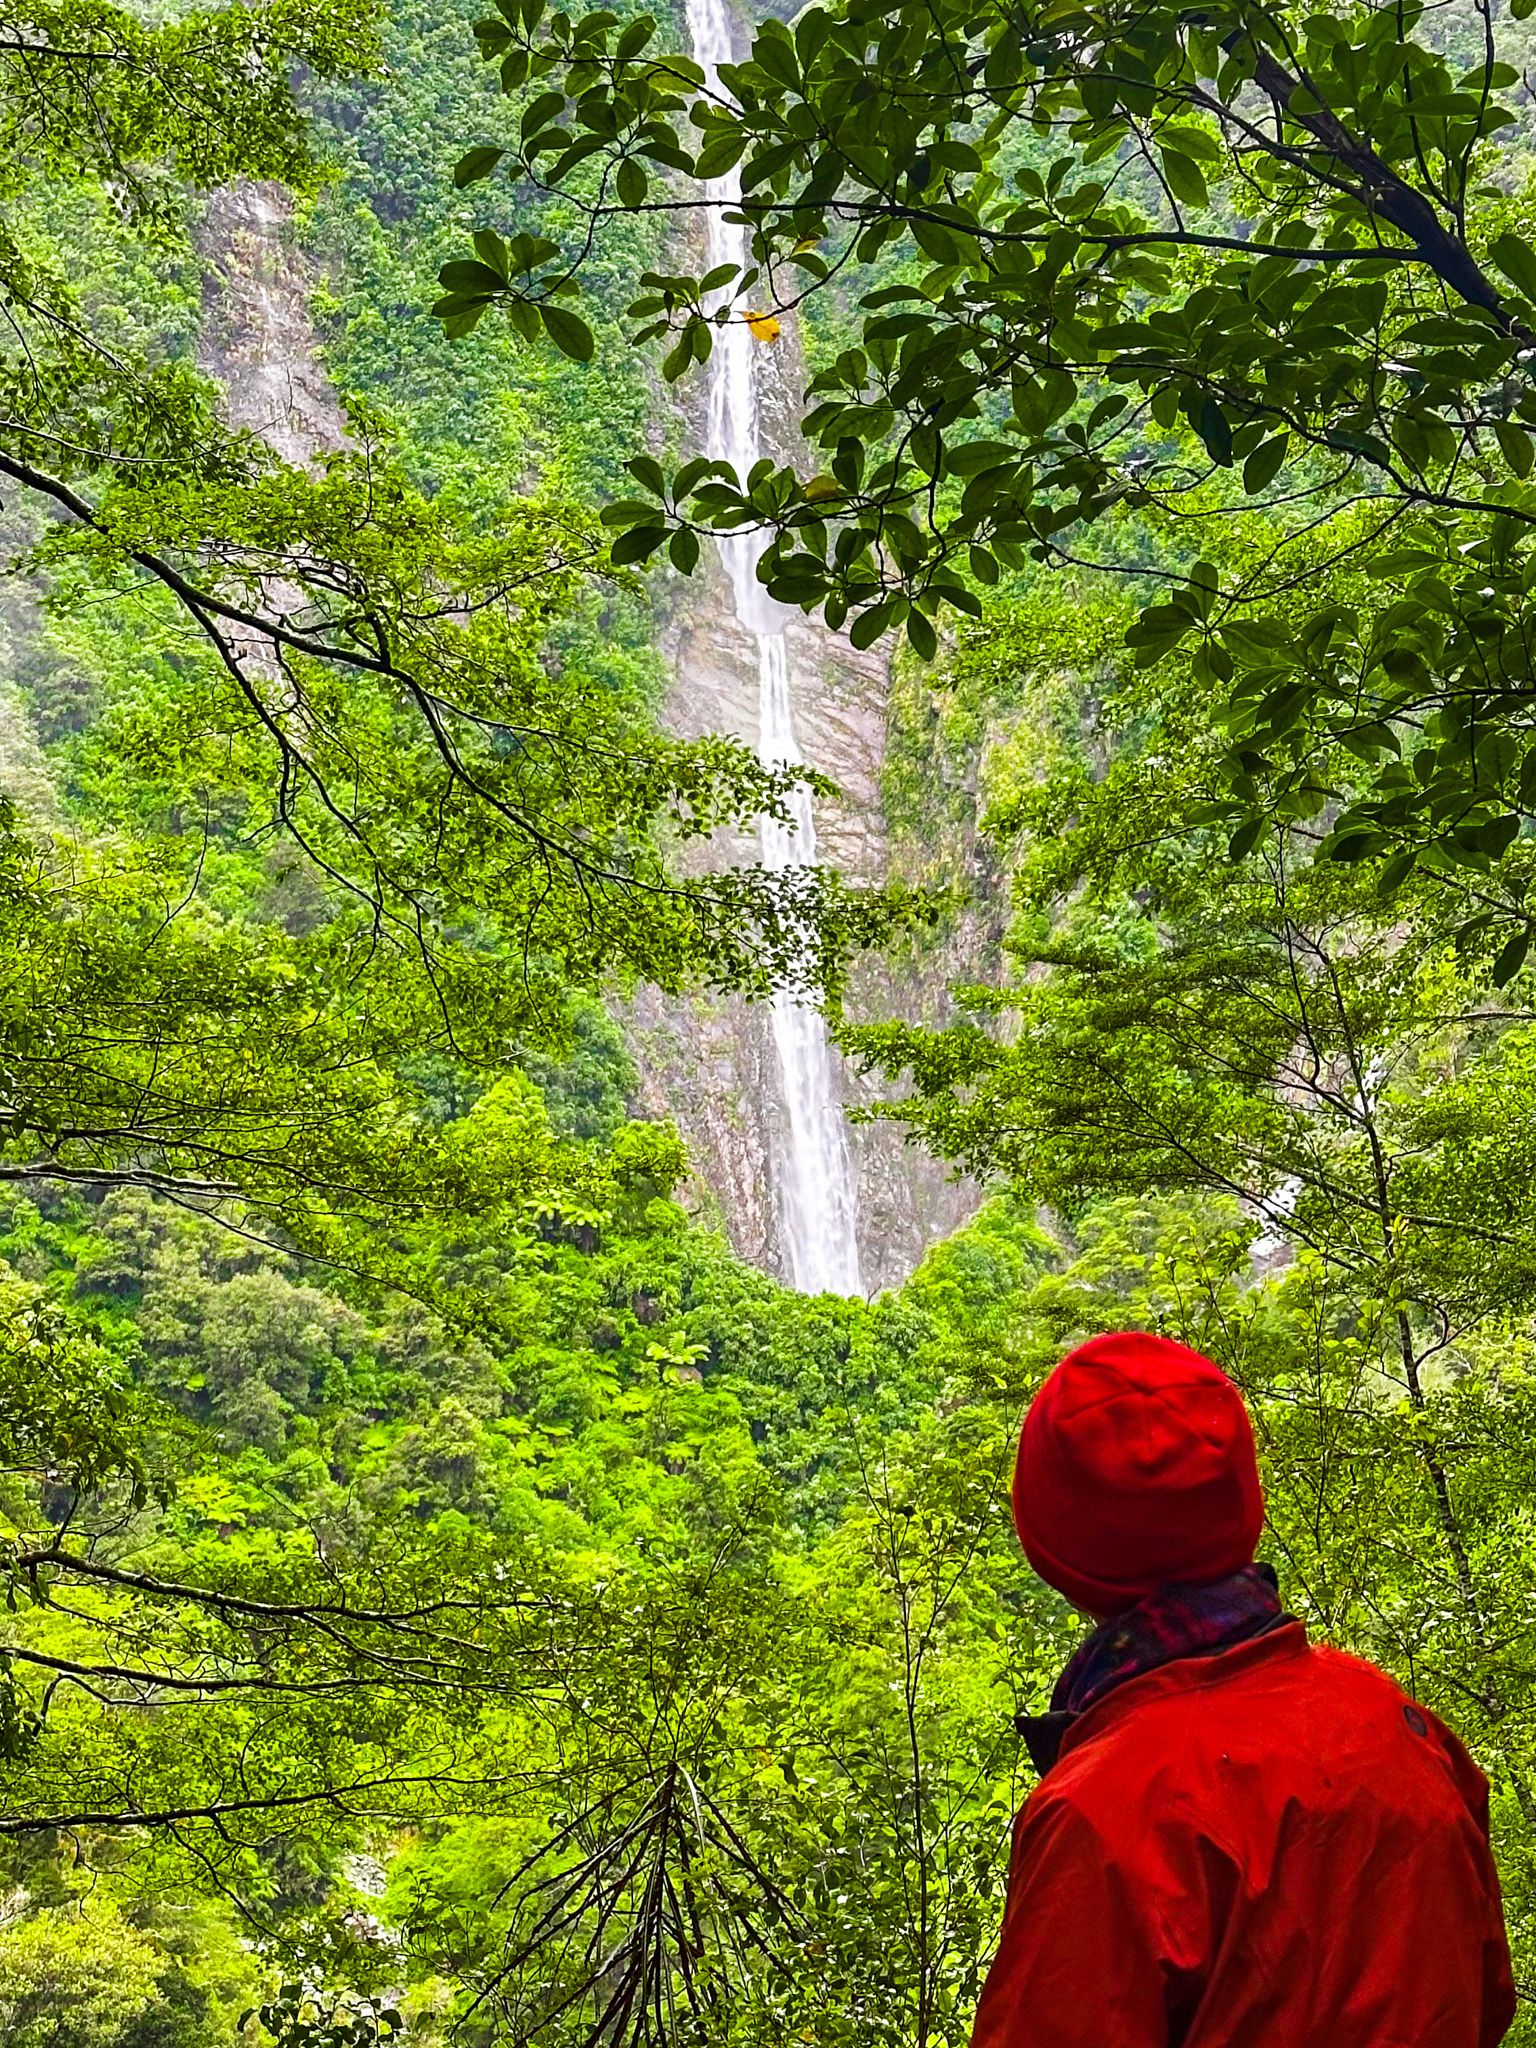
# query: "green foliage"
{"points": [[92, 96], [331, 655], [296, 2018], [456, 1550], [512, 794], [605, 1465], [151, 1044], [72, 1980], [69, 1414], [1111, 266]]}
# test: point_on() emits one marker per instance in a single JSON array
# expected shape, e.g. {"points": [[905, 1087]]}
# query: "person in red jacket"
{"points": [[1240, 1839]]}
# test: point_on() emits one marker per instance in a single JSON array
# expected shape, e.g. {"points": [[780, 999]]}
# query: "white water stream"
{"points": [[816, 1183]]}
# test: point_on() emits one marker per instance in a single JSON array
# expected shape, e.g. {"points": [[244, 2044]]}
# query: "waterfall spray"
{"points": [[815, 1174]]}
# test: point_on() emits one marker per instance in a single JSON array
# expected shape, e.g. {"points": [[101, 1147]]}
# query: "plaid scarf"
{"points": [[1173, 1622]]}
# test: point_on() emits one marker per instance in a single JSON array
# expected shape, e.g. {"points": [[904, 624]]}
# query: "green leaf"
{"points": [[720, 154], [1211, 425], [936, 240], [683, 549], [539, 112], [638, 544], [568, 331], [812, 26], [1395, 873], [476, 164], [459, 316], [1497, 836], [1186, 180], [1203, 589], [1265, 464], [925, 642], [1517, 260], [472, 277], [1511, 957], [1515, 446], [1255, 642], [1349, 847], [527, 252], [869, 625], [492, 251], [632, 183], [775, 53]]}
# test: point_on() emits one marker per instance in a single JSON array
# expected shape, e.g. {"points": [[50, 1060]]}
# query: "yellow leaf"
{"points": [[805, 242], [763, 326], [822, 487]]}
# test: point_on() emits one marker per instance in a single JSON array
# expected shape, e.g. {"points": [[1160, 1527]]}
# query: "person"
{"points": [[1240, 1839]]}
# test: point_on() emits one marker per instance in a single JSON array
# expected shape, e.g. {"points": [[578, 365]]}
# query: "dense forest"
{"points": [[452, 1594]]}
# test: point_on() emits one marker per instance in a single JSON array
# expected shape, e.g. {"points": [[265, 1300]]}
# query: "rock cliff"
{"points": [[257, 337]]}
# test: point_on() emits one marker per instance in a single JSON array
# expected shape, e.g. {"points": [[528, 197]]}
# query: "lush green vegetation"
{"points": [[448, 1592], [1113, 266]]}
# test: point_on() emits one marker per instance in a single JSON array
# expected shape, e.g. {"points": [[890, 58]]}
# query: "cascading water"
{"points": [[816, 1174]]}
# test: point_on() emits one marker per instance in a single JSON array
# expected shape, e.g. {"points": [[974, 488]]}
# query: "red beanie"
{"points": [[1136, 1470]]}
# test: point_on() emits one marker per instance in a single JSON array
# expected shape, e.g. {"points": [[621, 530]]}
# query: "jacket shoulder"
{"points": [[1199, 1737]]}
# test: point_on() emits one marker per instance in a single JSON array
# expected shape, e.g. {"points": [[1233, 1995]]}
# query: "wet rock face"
{"points": [[709, 1066], [258, 339]]}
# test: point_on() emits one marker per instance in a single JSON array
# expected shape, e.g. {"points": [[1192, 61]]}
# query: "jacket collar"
{"points": [[1050, 1736]]}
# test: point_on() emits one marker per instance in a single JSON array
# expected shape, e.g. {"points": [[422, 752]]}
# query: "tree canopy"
{"points": [[1110, 271]]}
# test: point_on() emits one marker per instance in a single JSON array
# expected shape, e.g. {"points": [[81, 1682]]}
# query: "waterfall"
{"points": [[816, 1183]]}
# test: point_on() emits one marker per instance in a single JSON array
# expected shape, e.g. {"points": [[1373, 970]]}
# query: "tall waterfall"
{"points": [[816, 1183]]}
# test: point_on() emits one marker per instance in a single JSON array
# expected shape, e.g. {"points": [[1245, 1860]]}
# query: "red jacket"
{"points": [[1269, 1848]]}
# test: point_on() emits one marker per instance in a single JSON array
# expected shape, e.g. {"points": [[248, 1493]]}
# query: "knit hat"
{"points": [[1136, 1470]]}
